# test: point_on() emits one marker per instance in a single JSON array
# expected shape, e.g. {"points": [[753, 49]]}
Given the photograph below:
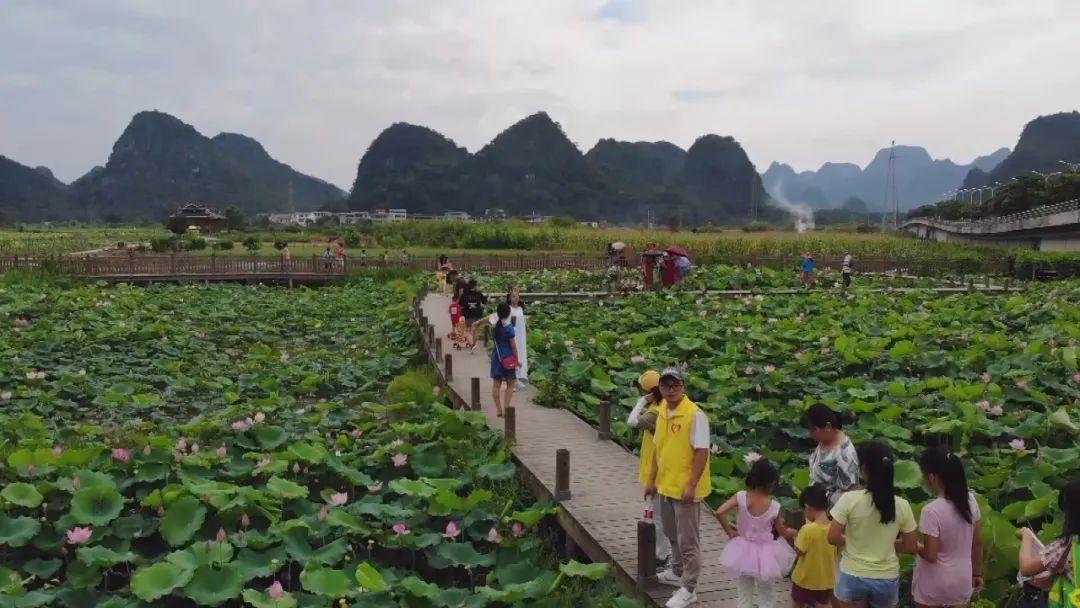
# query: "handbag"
{"points": [[509, 362]]}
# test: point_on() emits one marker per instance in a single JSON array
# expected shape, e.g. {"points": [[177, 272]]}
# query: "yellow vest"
{"points": [[648, 447], [675, 455]]}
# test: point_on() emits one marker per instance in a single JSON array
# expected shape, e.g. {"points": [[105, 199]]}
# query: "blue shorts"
{"points": [[878, 592]]}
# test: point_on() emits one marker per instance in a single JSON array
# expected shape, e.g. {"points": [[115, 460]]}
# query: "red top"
{"points": [[668, 276], [455, 312]]}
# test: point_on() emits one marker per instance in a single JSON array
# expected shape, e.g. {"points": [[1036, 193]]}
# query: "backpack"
{"points": [[1061, 594]]}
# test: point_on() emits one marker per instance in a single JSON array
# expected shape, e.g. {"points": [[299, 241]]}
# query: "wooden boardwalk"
{"points": [[606, 499]]}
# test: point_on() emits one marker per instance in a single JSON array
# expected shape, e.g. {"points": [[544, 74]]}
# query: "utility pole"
{"points": [[890, 208]]}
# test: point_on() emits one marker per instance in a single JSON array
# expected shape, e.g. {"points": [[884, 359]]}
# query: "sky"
{"points": [[316, 80]]}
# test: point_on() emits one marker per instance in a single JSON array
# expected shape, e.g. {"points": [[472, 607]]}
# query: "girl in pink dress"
{"points": [[755, 554]]}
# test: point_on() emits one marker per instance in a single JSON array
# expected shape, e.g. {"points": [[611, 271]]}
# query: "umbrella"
{"points": [[618, 246], [676, 250]]}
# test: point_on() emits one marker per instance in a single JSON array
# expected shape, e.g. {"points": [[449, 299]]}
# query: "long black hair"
{"points": [[521, 301], [503, 311], [820, 416], [950, 470], [1069, 501], [762, 475], [878, 460]]}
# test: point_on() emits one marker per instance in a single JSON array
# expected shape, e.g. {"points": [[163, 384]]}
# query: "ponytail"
{"points": [[502, 312], [878, 460], [819, 416], [950, 470], [1069, 501]]}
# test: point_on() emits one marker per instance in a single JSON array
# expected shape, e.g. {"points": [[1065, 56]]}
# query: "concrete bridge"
{"points": [[1049, 228]]}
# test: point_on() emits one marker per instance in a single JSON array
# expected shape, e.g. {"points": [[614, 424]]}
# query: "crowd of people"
{"points": [[509, 353], [856, 526]]}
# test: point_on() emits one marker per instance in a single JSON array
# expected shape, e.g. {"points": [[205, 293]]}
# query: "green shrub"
{"points": [[279, 245], [162, 245], [352, 239], [755, 226], [195, 244], [414, 385], [225, 244], [252, 244]]}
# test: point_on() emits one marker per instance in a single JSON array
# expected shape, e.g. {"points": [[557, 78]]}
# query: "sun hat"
{"points": [[671, 372], [649, 380]]}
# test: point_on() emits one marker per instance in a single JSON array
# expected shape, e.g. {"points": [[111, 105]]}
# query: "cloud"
{"points": [[316, 81], [696, 95]]}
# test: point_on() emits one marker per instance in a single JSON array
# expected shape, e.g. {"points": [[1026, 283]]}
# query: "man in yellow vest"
{"points": [[680, 475], [644, 415]]}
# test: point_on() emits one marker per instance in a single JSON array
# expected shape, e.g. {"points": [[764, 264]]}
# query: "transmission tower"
{"points": [[890, 208]]}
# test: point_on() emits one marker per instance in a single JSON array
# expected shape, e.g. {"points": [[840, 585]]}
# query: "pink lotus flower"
{"points": [[221, 451], [76, 482], [996, 411], [517, 530], [181, 445], [245, 521], [985, 378], [121, 454], [275, 591], [452, 531], [751, 457], [240, 426], [493, 536], [769, 369], [400, 529], [265, 460], [338, 498], [375, 487], [400, 460], [1076, 378], [146, 450], [798, 355], [435, 390], [21, 322], [57, 451], [260, 417], [825, 351], [1021, 384], [984, 405], [194, 448], [1018, 444], [79, 536], [221, 536], [356, 433], [637, 359], [324, 511]]}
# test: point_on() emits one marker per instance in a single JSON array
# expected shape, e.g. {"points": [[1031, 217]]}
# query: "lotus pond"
{"points": [[995, 377], [230, 446]]}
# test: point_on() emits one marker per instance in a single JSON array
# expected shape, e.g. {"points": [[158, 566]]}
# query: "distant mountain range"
{"points": [[919, 179], [533, 167], [157, 164], [1044, 143]]}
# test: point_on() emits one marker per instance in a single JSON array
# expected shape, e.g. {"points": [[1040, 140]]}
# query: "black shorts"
{"points": [[809, 596]]}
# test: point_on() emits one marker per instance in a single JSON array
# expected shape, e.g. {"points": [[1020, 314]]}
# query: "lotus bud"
{"points": [[221, 536], [245, 521], [296, 467], [221, 451], [146, 450], [323, 513]]}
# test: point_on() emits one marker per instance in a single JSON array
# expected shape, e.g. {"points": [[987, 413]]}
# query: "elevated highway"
{"points": [[1049, 228]]}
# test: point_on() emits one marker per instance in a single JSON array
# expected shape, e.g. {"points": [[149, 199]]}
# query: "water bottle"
{"points": [[648, 516]]}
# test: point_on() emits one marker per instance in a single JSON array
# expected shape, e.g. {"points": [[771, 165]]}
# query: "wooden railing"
{"points": [[242, 266]]}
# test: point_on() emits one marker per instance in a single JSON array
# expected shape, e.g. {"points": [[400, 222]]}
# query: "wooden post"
{"points": [[646, 554], [474, 399], [603, 419], [448, 367], [971, 284], [431, 336], [438, 348], [562, 475], [510, 425], [487, 333], [1008, 283]]}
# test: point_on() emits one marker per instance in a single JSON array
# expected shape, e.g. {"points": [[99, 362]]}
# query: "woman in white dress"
{"points": [[517, 312]]}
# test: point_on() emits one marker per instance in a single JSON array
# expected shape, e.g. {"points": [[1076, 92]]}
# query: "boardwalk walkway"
{"points": [[606, 499]]}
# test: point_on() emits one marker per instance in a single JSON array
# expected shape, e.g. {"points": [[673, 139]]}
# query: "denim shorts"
{"points": [[878, 592]]}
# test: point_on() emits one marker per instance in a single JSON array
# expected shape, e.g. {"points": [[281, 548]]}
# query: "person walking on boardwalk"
{"points": [[680, 475], [472, 307], [328, 259], [846, 269], [517, 313], [644, 415], [503, 360]]}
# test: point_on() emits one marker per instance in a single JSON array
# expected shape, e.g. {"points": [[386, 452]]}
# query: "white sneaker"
{"points": [[682, 598], [668, 577]]}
